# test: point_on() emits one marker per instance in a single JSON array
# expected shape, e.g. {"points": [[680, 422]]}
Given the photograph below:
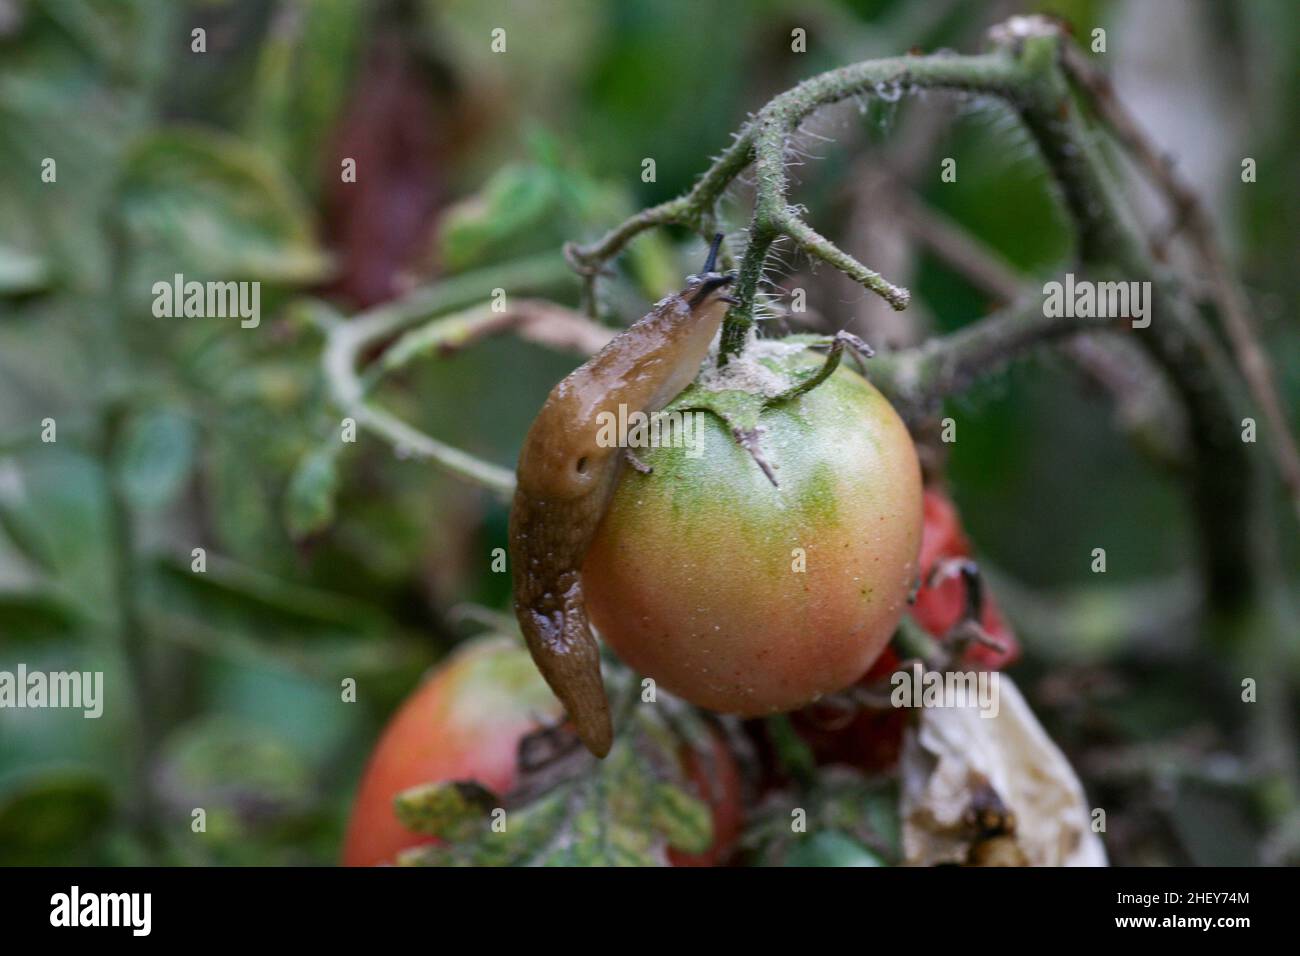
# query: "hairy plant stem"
{"points": [[1221, 474], [917, 379], [1026, 72], [765, 142], [346, 341]]}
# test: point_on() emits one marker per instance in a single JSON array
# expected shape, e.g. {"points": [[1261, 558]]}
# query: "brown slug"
{"points": [[566, 479]]}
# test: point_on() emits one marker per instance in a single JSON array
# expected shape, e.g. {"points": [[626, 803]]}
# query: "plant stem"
{"points": [[345, 342], [132, 638], [920, 377]]}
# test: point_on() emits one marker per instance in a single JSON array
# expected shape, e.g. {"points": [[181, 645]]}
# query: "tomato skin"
{"points": [[692, 575], [939, 607], [464, 723], [720, 786]]}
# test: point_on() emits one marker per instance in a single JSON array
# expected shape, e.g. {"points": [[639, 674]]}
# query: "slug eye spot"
{"points": [[581, 466]]}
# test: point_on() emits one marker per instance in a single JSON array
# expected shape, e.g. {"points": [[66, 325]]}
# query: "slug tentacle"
{"points": [[566, 477]]}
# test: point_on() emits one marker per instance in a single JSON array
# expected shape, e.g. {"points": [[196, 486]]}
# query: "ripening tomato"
{"points": [[717, 781], [465, 723], [752, 599]]}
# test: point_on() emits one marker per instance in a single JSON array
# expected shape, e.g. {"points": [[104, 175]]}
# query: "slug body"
{"points": [[566, 479]]}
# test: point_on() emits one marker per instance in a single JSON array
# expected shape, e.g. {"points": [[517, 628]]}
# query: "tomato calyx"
{"points": [[970, 629], [769, 373]]}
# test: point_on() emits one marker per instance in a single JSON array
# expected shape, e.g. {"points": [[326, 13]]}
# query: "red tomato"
{"points": [[939, 607], [465, 723], [720, 786]]}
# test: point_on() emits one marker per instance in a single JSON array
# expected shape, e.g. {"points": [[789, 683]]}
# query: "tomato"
{"points": [[465, 723], [752, 599], [717, 781], [940, 606], [865, 738], [869, 739]]}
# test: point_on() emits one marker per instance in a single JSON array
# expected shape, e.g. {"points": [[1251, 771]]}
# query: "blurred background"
{"points": [[176, 434]]}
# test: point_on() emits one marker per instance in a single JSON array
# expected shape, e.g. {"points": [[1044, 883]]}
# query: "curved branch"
{"points": [[1189, 213], [346, 341], [765, 141], [920, 377]]}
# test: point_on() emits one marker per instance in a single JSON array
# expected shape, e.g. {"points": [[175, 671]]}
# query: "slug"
{"points": [[566, 480]]}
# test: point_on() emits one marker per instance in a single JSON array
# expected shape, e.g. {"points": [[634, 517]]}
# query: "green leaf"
{"points": [[155, 457], [54, 513], [48, 817], [515, 200], [230, 587], [25, 532], [309, 504], [304, 75], [852, 820], [450, 810], [21, 273], [210, 206], [36, 615], [831, 848]]}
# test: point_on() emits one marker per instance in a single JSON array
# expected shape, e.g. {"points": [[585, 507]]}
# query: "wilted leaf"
{"points": [[684, 820], [956, 761], [448, 809], [625, 810]]}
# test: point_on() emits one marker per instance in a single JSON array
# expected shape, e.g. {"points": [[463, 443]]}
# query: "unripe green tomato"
{"points": [[752, 599]]}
